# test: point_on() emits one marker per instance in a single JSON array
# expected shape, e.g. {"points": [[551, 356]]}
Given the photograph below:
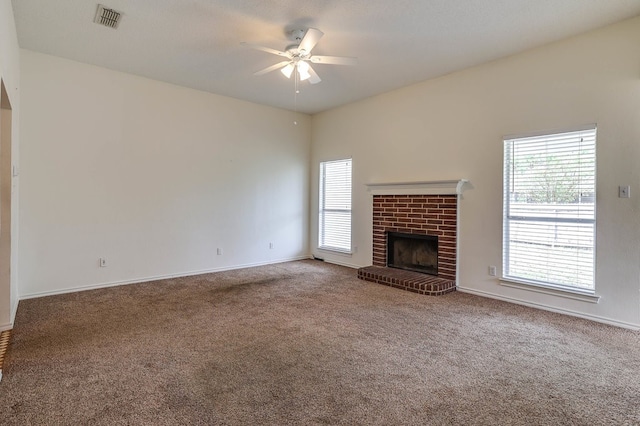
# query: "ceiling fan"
{"points": [[298, 56]]}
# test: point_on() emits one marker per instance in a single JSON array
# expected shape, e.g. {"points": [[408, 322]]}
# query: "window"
{"points": [[334, 223], [549, 210]]}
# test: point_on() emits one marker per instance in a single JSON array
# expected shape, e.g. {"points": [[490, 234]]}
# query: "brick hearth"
{"points": [[407, 280], [415, 214]]}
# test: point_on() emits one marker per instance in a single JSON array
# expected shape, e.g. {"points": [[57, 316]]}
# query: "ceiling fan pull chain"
{"points": [[295, 98]]}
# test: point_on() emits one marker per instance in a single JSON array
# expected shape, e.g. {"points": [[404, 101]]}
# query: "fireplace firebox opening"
{"points": [[413, 252]]}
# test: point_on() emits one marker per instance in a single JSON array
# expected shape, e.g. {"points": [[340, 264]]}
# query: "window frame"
{"points": [[322, 209], [508, 218]]}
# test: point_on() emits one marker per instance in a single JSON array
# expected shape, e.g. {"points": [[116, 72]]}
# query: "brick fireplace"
{"points": [[420, 208]]}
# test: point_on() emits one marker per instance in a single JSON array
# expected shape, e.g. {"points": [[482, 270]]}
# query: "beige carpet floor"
{"points": [[308, 343]]}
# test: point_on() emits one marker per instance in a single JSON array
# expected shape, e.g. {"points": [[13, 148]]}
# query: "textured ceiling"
{"points": [[196, 43]]}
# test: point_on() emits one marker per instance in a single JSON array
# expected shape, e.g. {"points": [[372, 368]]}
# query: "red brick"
{"points": [[430, 215]]}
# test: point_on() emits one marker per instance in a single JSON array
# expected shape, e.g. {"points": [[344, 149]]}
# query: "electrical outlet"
{"points": [[492, 271], [270, 245], [219, 252], [624, 191], [103, 262]]}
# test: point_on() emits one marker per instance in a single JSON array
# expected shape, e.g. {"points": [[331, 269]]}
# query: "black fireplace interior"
{"points": [[413, 252]]}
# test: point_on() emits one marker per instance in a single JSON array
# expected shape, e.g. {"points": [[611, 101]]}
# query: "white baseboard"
{"points": [[337, 262], [12, 318], [616, 323], [155, 278], [14, 312]]}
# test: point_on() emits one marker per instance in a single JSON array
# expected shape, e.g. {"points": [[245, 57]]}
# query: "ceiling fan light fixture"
{"points": [[304, 75], [303, 67], [303, 70], [287, 70]]}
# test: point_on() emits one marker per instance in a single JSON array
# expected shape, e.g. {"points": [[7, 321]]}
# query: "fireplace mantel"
{"points": [[435, 187]]}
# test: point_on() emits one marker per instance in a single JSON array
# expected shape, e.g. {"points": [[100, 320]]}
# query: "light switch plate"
{"points": [[624, 191]]}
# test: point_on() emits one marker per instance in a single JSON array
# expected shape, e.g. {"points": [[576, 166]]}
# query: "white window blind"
{"points": [[334, 224], [549, 209]]}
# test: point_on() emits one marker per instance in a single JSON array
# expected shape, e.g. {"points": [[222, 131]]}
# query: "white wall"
{"points": [[152, 176], [10, 75], [453, 127]]}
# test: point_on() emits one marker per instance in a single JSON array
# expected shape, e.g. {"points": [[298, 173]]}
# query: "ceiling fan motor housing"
{"points": [[295, 53]]}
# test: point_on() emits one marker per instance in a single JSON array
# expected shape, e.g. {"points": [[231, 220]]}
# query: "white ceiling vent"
{"points": [[107, 17]]}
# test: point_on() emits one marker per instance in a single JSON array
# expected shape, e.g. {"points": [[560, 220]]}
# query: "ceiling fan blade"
{"points": [[334, 60], [271, 68], [266, 49], [314, 79], [310, 39]]}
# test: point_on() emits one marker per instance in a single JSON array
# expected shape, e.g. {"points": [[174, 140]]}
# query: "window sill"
{"points": [[553, 291], [336, 251]]}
